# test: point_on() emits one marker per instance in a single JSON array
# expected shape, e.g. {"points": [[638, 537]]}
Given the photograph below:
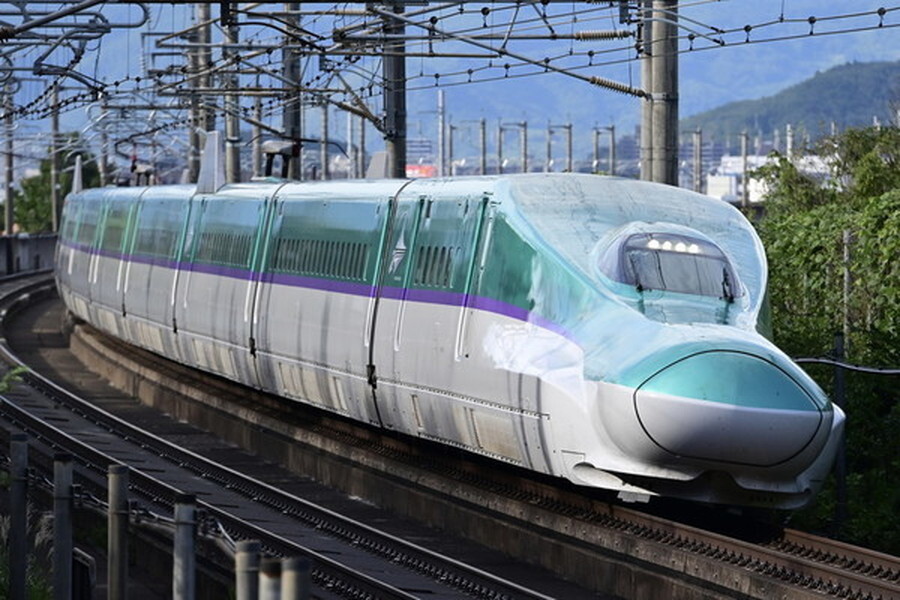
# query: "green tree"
{"points": [[32, 205], [807, 219]]}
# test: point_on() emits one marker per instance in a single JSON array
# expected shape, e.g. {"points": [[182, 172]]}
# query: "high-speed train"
{"points": [[603, 330]]}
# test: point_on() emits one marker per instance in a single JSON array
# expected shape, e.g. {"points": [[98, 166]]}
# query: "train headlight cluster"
{"points": [[668, 246]]}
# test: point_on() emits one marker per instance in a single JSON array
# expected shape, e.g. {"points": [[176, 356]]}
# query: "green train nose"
{"points": [[728, 407]]}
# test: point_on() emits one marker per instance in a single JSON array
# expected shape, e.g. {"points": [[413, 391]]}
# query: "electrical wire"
{"points": [[501, 25]]}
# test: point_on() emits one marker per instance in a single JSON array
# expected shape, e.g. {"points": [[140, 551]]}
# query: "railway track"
{"points": [[788, 565], [349, 559]]}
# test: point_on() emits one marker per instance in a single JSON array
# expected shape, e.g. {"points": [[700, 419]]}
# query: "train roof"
{"points": [[573, 213], [569, 212]]}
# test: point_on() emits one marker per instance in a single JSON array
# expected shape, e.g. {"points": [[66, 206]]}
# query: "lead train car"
{"points": [[599, 329]]}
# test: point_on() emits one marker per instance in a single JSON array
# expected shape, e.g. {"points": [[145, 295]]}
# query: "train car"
{"points": [[608, 331]]}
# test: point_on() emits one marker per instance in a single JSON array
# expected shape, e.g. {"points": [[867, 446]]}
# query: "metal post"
{"points": [[351, 148], [450, 129], [524, 138], [647, 49], [323, 145], [698, 160], [612, 149], [8, 209], [204, 60], [153, 179], [840, 463], [595, 164], [789, 141], [847, 242], [54, 159], [232, 116], [196, 120], [256, 154], [570, 161], [500, 148], [394, 69], [745, 181], [665, 91], [18, 533], [103, 165], [549, 160], [117, 532], [292, 120], [363, 159], [482, 126], [270, 579], [442, 129], [296, 581], [62, 527], [246, 570], [183, 555]]}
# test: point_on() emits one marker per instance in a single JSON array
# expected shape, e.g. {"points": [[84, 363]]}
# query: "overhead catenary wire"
{"points": [[577, 46]]}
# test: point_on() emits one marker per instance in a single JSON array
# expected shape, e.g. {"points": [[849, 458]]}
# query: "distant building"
{"points": [[725, 182]]}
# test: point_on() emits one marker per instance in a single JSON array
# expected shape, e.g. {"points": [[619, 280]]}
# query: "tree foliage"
{"points": [[833, 241], [33, 211]]}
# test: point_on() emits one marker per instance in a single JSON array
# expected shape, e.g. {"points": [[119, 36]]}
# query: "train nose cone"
{"points": [[728, 407]]}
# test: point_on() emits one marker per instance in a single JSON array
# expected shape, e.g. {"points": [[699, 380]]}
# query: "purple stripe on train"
{"points": [[440, 297]]}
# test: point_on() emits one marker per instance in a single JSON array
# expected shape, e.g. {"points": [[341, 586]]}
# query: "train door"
{"points": [[107, 264], [153, 243], [81, 258], [216, 293], [430, 268], [388, 303], [325, 249], [262, 251]]}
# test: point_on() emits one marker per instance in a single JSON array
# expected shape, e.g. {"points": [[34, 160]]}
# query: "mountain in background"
{"points": [[850, 95]]}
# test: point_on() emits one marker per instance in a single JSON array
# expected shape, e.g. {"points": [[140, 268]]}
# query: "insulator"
{"points": [[597, 34], [618, 87]]}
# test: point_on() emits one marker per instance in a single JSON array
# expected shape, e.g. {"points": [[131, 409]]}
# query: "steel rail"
{"points": [[802, 562], [794, 566], [444, 568], [160, 493]]}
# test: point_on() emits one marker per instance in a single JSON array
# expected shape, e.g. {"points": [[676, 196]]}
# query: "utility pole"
{"points": [[698, 160], [549, 159], [54, 159], [256, 153], [351, 148], [647, 49], [789, 141], [363, 162], [570, 164], [292, 120], [524, 139], [612, 149], [664, 91], [323, 144], [8, 208], [450, 129], [204, 60], [500, 147], [195, 122], [103, 165], [482, 126], [442, 128], [745, 192], [394, 72], [232, 108]]}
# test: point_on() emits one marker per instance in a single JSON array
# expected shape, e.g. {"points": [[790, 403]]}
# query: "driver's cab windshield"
{"points": [[672, 262]]}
